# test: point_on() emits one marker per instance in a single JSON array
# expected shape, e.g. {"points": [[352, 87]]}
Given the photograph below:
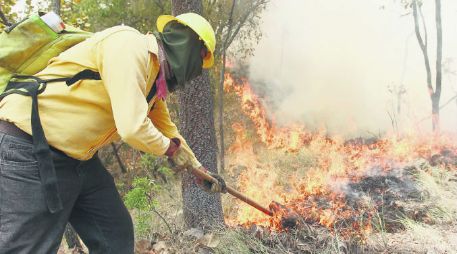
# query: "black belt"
{"points": [[13, 130]]}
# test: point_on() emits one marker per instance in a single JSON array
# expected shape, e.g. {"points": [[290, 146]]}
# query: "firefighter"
{"points": [[136, 71]]}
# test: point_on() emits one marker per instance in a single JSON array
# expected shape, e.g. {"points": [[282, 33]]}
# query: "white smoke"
{"points": [[331, 63]]}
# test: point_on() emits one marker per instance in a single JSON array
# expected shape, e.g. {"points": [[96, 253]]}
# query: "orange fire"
{"points": [[309, 172]]}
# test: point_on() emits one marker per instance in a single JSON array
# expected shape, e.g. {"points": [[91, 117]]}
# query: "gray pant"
{"points": [[91, 204]]}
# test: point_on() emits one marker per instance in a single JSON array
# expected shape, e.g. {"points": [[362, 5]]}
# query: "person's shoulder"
{"points": [[120, 33]]}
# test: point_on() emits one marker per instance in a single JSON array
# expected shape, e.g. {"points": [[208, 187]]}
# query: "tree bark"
{"points": [[56, 6], [439, 56], [197, 126]]}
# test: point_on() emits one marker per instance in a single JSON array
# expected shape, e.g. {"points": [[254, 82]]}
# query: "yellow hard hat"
{"points": [[200, 26]]}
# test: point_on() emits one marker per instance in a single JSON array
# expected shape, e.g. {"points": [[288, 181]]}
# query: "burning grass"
{"points": [[349, 189]]}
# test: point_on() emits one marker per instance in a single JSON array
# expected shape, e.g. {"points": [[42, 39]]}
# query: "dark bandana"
{"points": [[183, 51]]}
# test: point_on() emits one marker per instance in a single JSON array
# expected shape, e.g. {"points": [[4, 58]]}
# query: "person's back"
{"points": [[78, 119]]}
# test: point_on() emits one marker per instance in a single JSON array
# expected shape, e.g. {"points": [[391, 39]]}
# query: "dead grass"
{"points": [[429, 223]]}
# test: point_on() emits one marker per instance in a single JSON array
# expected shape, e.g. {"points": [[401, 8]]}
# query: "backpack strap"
{"points": [[85, 74], [41, 150], [32, 86], [151, 93]]}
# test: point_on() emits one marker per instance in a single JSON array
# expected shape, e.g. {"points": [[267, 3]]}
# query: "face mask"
{"points": [[183, 49]]}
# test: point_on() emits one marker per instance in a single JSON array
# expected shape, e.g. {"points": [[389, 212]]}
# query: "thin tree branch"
{"points": [[423, 47], [163, 219], [221, 87], [150, 199], [424, 26], [4, 19], [244, 19], [118, 158], [441, 107], [447, 102], [240, 23]]}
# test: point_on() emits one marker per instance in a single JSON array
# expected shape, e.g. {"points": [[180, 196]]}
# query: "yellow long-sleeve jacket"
{"points": [[84, 117]]}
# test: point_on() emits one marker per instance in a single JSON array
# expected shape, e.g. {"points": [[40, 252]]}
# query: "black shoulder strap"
{"points": [[85, 74], [32, 86], [151, 93]]}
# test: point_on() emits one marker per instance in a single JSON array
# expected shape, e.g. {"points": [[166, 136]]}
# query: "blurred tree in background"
{"points": [[6, 15]]}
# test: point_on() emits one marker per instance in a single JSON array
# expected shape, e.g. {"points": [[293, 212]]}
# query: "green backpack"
{"points": [[25, 49]]}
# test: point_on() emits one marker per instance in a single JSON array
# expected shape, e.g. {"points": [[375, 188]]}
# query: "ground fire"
{"points": [[344, 186]]}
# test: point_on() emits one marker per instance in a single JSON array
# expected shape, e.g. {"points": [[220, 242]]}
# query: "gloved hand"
{"points": [[214, 187], [180, 157]]}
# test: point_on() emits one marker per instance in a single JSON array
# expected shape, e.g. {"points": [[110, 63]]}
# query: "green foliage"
{"points": [[5, 8], [166, 171], [156, 166], [71, 14], [140, 14], [141, 199], [148, 160]]}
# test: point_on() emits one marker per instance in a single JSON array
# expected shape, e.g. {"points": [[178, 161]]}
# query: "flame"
{"points": [[314, 189], [274, 137]]}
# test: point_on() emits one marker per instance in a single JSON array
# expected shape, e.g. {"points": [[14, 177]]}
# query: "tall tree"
{"points": [[434, 92], [56, 6], [221, 88], [197, 126]]}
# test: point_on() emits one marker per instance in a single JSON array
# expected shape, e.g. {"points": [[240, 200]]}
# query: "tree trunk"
{"points": [[56, 6], [435, 94], [439, 57], [436, 114], [197, 126]]}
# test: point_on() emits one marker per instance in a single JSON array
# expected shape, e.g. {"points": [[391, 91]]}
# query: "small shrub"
{"points": [[141, 199]]}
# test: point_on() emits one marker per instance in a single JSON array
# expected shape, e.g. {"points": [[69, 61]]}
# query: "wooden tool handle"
{"points": [[203, 175]]}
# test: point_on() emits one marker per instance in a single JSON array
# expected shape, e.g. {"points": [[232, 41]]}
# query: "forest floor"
{"points": [[419, 215], [433, 228]]}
